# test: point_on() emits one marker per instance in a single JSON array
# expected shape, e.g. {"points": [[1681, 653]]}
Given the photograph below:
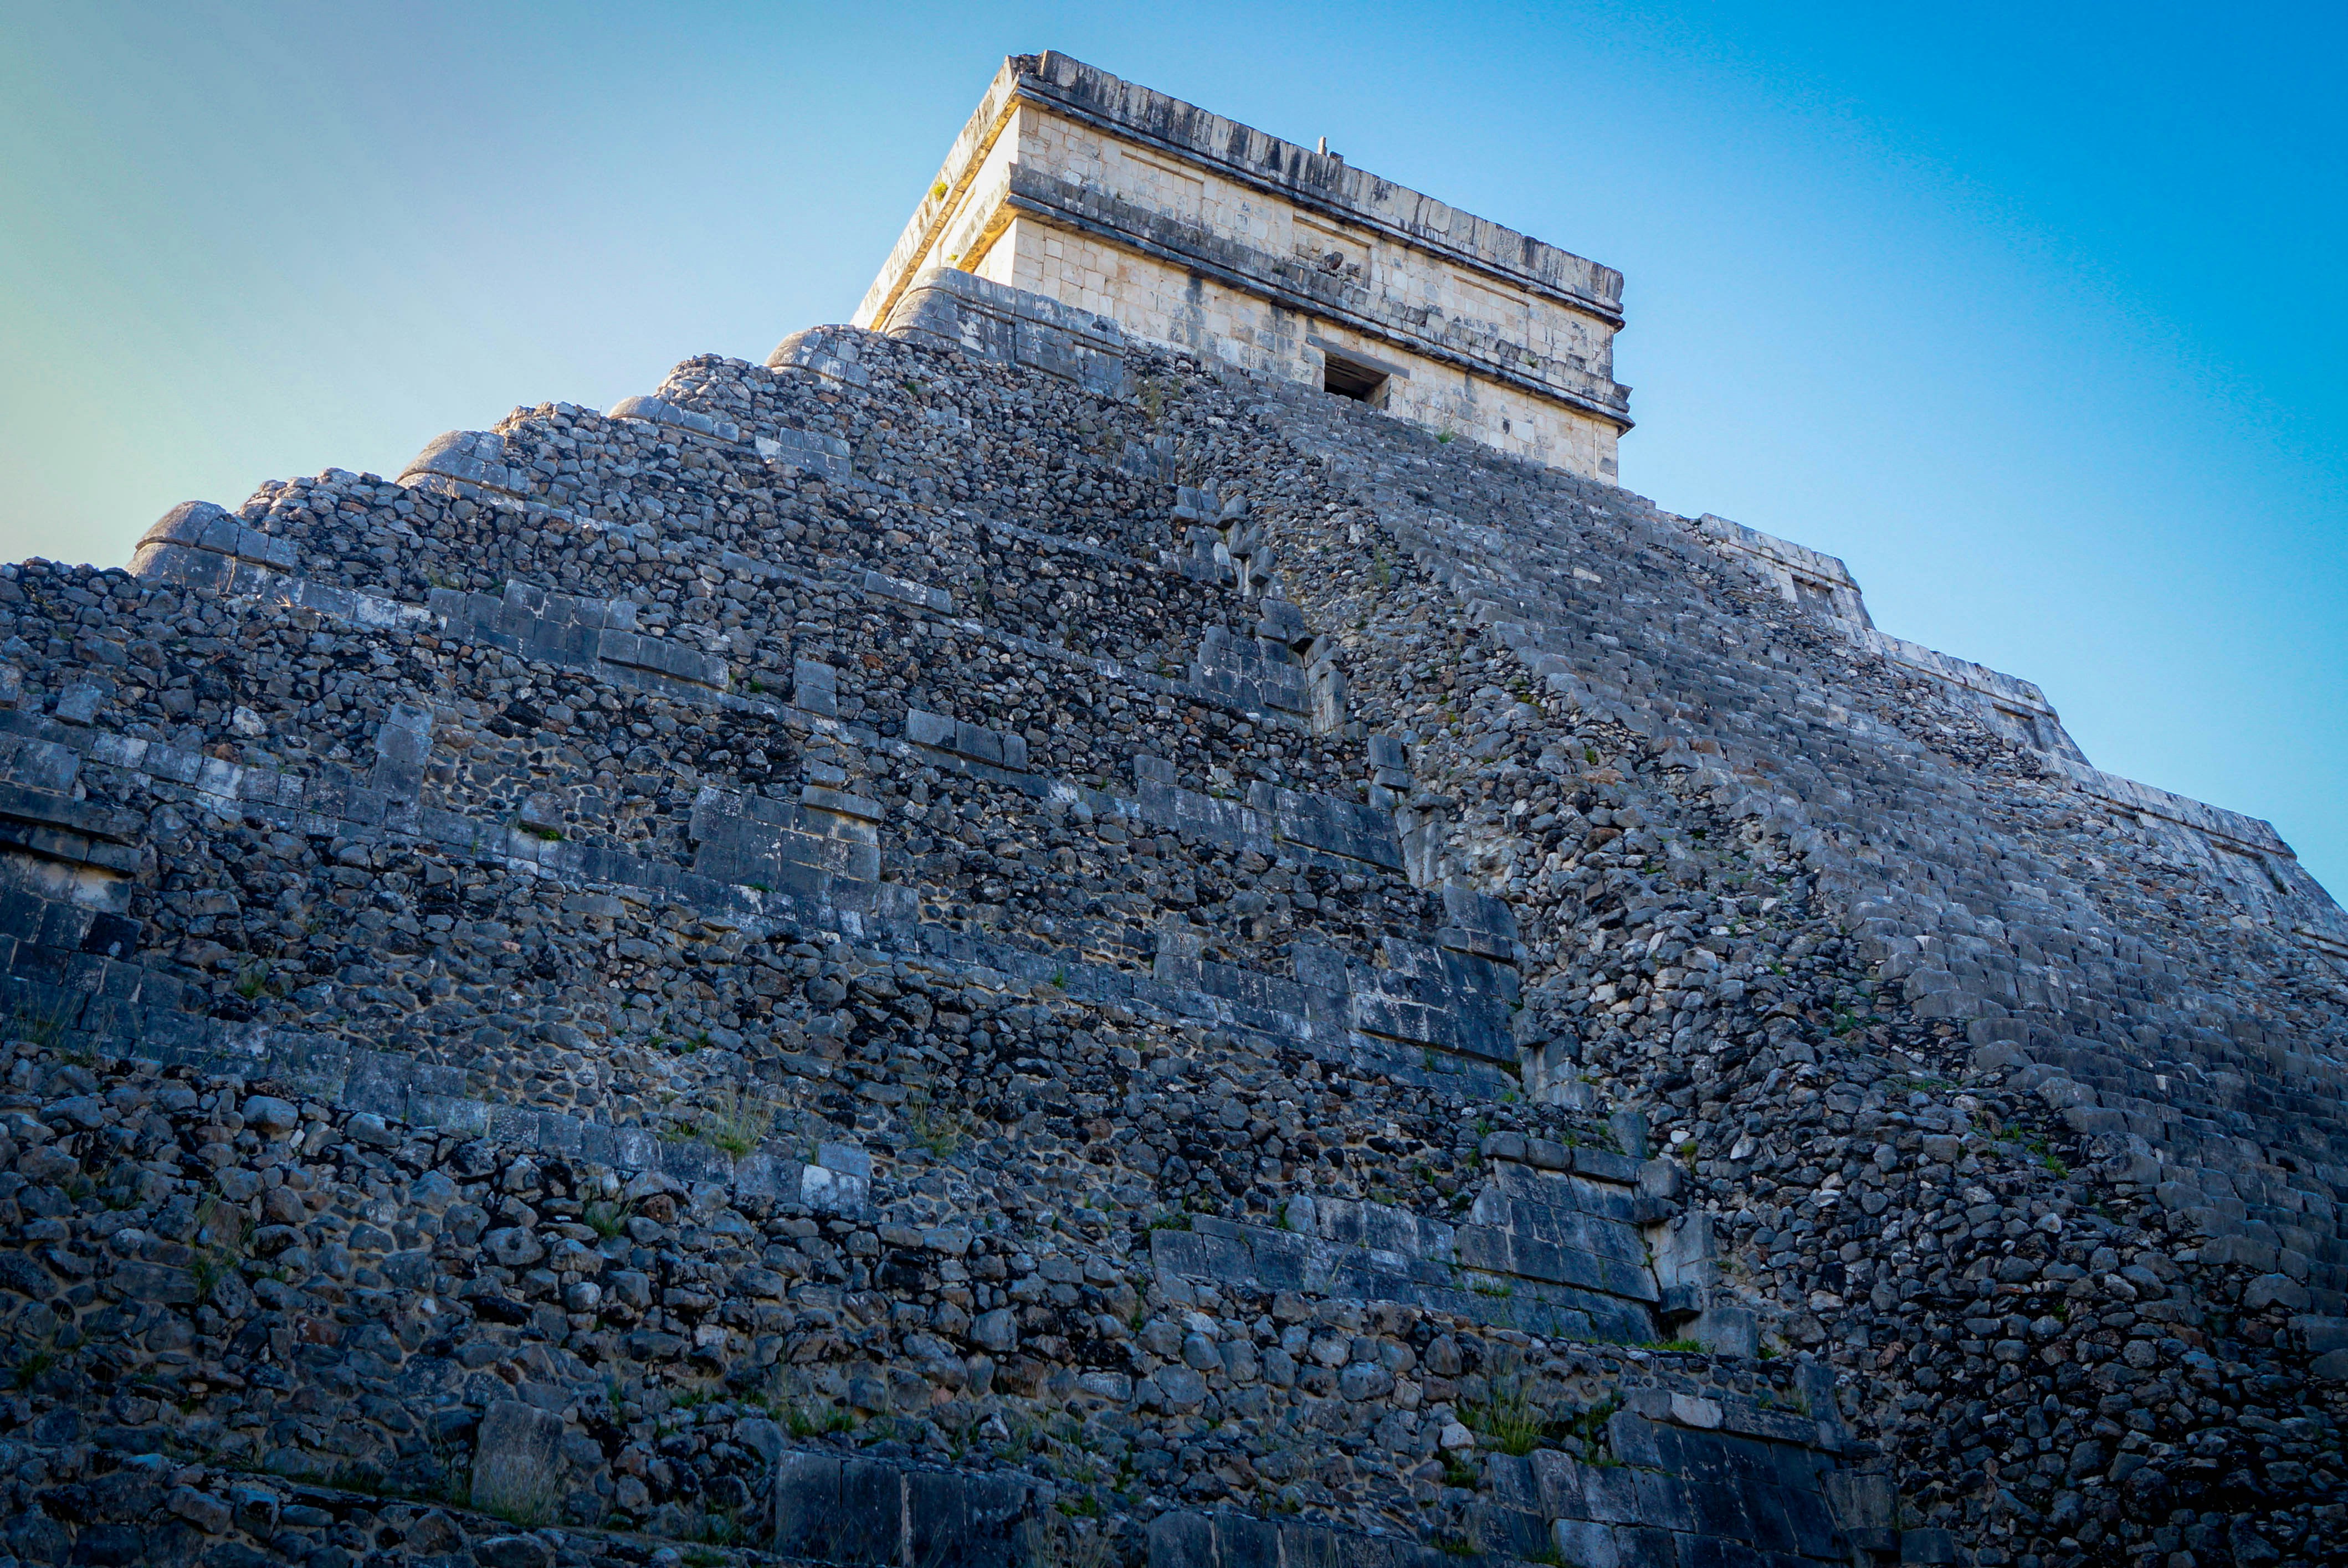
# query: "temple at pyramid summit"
{"points": [[1186, 227]]}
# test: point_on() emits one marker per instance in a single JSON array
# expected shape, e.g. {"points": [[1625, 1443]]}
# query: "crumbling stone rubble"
{"points": [[904, 956]]}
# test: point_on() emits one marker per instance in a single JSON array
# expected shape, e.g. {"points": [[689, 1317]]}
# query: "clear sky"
{"points": [[2034, 315]]}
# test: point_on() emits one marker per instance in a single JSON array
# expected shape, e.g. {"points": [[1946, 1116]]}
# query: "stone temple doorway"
{"points": [[1352, 378]]}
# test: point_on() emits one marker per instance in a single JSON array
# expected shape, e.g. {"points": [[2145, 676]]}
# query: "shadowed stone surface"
{"points": [[940, 953]]}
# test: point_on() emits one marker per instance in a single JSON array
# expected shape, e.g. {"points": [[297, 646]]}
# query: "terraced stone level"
{"points": [[1002, 946]]}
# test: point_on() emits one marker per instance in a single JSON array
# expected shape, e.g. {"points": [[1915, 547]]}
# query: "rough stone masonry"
{"points": [[986, 944]]}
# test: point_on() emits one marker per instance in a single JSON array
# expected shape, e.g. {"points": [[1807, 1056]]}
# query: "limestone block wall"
{"points": [[1190, 229]]}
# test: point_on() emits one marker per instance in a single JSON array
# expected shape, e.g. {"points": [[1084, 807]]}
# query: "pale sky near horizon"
{"points": [[2031, 314]]}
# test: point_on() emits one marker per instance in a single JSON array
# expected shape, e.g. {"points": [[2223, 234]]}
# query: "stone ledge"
{"points": [[657, 410], [1314, 181], [944, 308], [201, 526]]}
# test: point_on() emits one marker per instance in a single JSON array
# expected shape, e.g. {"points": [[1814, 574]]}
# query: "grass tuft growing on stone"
{"points": [[1511, 1417], [941, 1132], [737, 1122], [519, 1492], [1053, 1539], [222, 1231]]}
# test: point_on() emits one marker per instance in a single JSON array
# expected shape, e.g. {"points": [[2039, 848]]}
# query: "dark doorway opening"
{"points": [[1350, 379]]}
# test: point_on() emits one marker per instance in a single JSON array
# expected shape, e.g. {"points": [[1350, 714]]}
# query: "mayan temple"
{"points": [[1126, 915]]}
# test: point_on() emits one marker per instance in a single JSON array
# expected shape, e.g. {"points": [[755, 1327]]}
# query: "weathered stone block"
{"points": [[869, 1526], [519, 1469], [806, 1502], [1583, 1543], [815, 686], [1927, 1546], [1182, 1541], [1241, 1542], [952, 309]]}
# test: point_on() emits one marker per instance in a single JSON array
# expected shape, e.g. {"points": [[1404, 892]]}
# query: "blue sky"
{"points": [[2033, 315]]}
